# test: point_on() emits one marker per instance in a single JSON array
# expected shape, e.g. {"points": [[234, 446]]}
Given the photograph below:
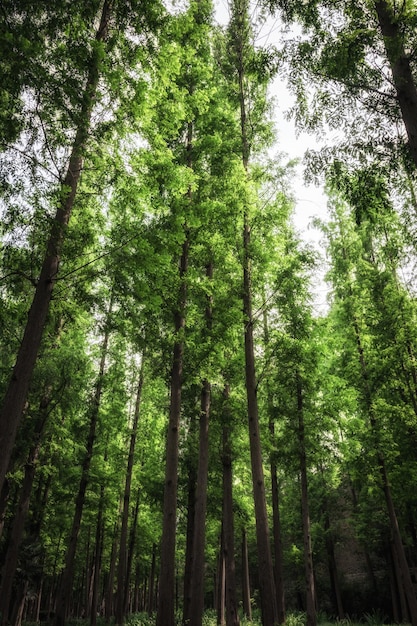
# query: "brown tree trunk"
{"points": [[16, 535], [232, 615], [131, 550], [152, 582], [191, 466], [247, 607], [402, 74], [166, 596], [109, 596], [17, 391], [199, 540], [276, 520], [65, 589], [122, 565], [221, 584], [266, 573], [333, 573], [98, 551], [395, 530], [308, 555]]}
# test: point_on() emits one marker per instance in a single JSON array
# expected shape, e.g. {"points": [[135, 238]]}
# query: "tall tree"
{"points": [[240, 42], [122, 572], [17, 390], [368, 388], [65, 588]]}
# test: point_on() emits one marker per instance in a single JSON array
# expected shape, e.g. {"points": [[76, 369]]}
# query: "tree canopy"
{"points": [[180, 430]]}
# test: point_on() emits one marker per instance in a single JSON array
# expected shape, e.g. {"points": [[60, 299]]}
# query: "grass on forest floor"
{"points": [[375, 618], [292, 619]]}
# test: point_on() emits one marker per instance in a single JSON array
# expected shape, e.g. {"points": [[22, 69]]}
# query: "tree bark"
{"points": [[395, 529], [98, 552], [401, 70], [308, 555], [247, 608], [191, 467], [109, 597], [152, 582], [276, 520], [16, 536], [221, 584], [232, 615], [166, 600], [130, 552], [266, 572], [122, 565], [333, 573], [199, 540], [17, 390]]}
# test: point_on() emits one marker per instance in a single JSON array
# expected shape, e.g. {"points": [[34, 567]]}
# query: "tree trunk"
{"points": [[221, 583], [152, 582], [247, 607], [65, 589], [191, 467], [122, 565], [402, 74], [308, 555], [16, 536], [98, 551], [131, 550], [276, 520], [109, 596], [266, 572], [395, 530], [166, 600], [232, 615], [17, 391], [199, 540], [333, 573]]}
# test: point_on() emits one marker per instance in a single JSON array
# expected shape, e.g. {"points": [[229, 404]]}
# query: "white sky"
{"points": [[310, 200]]}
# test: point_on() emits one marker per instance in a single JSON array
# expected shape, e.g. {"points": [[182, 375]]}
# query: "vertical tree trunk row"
{"points": [[66, 583], [305, 512], [122, 565]]}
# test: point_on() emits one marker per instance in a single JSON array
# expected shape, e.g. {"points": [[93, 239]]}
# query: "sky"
{"points": [[310, 201]]}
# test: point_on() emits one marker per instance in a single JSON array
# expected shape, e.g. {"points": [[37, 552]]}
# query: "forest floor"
{"points": [[210, 619], [292, 619]]}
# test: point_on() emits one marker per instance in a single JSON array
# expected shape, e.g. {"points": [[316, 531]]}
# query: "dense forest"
{"points": [[183, 436]]}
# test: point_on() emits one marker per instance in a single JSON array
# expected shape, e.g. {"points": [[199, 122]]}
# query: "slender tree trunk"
{"points": [[131, 550], [247, 607], [232, 615], [122, 565], [396, 613], [266, 576], [4, 498], [65, 589], [152, 582], [221, 583], [402, 74], [191, 467], [333, 573], [308, 555], [109, 596], [199, 540], [266, 572], [396, 535], [276, 520], [16, 536], [98, 551], [166, 600], [17, 391]]}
